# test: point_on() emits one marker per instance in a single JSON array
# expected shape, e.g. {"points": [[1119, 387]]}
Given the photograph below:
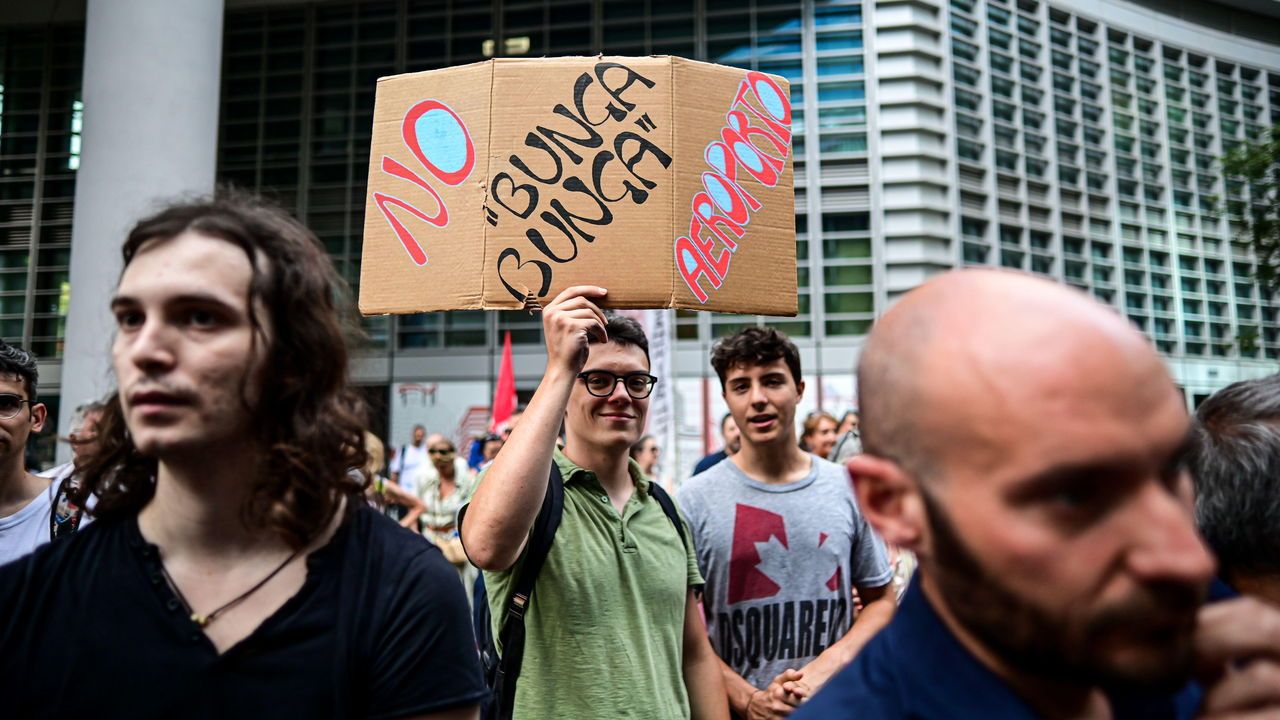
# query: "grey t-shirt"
{"points": [[778, 562]]}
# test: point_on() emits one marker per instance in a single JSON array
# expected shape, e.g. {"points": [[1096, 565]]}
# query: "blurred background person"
{"points": [[388, 497], [489, 447], [819, 434], [849, 439], [646, 453], [1235, 462], [409, 457], [732, 443], [848, 423], [441, 486], [68, 512]]}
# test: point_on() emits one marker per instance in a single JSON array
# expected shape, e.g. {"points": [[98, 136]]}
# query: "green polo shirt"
{"points": [[604, 634]]}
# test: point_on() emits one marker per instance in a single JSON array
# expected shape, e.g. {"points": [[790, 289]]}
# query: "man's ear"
{"points": [[38, 414], [800, 390], [890, 499]]}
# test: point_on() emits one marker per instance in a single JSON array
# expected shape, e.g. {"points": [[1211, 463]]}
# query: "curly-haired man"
{"points": [[233, 569], [780, 540]]}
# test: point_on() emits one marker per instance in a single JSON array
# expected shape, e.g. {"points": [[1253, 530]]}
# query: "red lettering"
{"points": [[694, 266], [739, 122], [758, 164], [704, 216], [440, 219], [778, 100], [737, 147], [721, 158]]}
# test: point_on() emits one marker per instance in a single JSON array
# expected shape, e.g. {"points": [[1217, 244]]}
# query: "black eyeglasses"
{"points": [[10, 404], [441, 451], [601, 383]]}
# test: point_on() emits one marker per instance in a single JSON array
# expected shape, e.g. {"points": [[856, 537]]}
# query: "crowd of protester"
{"points": [[1020, 520]]}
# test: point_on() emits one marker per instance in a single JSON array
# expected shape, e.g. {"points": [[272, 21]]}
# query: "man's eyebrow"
{"points": [[196, 298], [1065, 476]]}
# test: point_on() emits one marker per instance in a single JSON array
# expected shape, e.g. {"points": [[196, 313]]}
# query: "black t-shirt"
{"points": [[380, 629]]}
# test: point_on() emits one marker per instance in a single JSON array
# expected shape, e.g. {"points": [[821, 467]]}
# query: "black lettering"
{"points": [[576, 185], [839, 610], [579, 97], [820, 627], [646, 147], [769, 631], [592, 140], [837, 624], [530, 190], [616, 92], [722, 630], [805, 639], [538, 143], [638, 196], [540, 242], [737, 639], [544, 268], [787, 646], [753, 638]]}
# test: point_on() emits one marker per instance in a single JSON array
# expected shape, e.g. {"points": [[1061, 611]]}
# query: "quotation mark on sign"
{"points": [[491, 216], [645, 123]]}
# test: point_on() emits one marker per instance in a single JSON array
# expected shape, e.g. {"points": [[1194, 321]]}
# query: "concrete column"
{"points": [[151, 87]]}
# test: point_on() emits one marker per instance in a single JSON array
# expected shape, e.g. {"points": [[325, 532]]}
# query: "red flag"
{"points": [[504, 395]]}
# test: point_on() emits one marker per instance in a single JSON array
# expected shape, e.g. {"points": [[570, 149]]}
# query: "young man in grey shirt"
{"points": [[780, 541]]}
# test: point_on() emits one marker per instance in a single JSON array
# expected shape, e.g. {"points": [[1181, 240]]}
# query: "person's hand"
{"points": [[783, 695], [1237, 647], [569, 322], [790, 688]]}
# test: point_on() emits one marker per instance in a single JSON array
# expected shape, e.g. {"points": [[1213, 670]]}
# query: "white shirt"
{"points": [[27, 529], [406, 461]]}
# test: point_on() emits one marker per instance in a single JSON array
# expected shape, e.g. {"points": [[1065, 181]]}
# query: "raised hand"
{"points": [[569, 322]]}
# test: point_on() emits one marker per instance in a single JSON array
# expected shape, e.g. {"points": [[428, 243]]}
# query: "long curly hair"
{"points": [[307, 422]]}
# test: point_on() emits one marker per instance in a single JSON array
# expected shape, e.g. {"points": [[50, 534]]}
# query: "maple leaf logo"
{"points": [[762, 555]]}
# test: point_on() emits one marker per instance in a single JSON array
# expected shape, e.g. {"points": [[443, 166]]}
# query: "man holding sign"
{"points": [[613, 628]]}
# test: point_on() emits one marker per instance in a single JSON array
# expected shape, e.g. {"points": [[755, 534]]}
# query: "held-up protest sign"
{"points": [[501, 183]]}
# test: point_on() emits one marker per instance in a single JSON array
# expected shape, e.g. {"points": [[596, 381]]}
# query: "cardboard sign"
{"points": [[501, 183]]}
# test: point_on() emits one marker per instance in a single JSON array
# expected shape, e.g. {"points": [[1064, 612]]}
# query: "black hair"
{"points": [[22, 364], [625, 331], [755, 346]]}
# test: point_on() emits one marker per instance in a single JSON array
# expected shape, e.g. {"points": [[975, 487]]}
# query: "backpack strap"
{"points": [[511, 631], [668, 507]]}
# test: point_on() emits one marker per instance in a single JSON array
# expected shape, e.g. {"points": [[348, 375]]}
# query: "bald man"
{"points": [[1028, 445]]}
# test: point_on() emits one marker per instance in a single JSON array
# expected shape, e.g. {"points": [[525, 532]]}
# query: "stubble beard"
{"points": [[1140, 645]]}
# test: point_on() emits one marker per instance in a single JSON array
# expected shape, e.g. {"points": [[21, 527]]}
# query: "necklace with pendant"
{"points": [[202, 621]]}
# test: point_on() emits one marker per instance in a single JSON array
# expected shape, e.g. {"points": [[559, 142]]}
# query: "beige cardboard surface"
{"points": [[665, 180], [424, 214]]}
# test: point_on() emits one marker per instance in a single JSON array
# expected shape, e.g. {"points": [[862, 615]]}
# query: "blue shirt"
{"points": [[915, 668], [709, 461]]}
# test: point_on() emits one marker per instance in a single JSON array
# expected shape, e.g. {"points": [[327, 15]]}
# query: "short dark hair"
{"points": [[307, 419], [755, 345], [1235, 460], [727, 417], [22, 364], [625, 331]]}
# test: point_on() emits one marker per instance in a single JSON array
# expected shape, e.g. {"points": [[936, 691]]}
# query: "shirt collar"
{"points": [[573, 472]]}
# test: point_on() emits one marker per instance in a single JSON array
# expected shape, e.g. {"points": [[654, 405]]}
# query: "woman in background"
{"points": [[441, 486], [646, 453], [819, 434]]}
